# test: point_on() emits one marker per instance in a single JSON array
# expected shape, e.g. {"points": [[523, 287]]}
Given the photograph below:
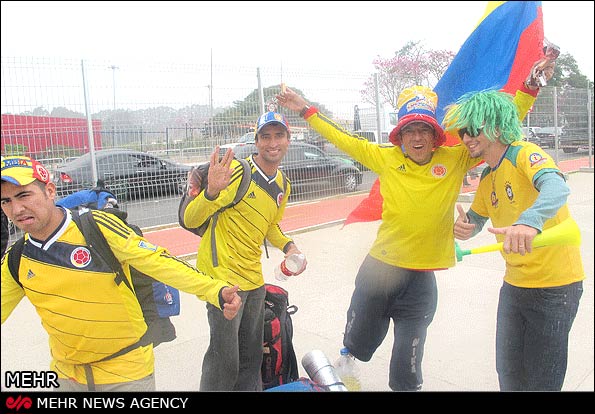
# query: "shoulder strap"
{"points": [[244, 183], [240, 193], [14, 259], [98, 244]]}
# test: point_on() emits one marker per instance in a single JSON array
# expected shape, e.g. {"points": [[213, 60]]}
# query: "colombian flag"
{"points": [[499, 54]]}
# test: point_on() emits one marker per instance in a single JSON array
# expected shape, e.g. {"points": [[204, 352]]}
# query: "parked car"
{"points": [[310, 168], [127, 173], [530, 134], [545, 136], [574, 139], [247, 138]]}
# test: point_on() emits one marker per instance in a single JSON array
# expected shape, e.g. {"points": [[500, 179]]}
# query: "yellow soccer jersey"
{"points": [[241, 230], [418, 208], [85, 313], [507, 191]]}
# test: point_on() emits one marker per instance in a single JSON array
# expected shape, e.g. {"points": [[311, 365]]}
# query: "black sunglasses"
{"points": [[466, 131]]}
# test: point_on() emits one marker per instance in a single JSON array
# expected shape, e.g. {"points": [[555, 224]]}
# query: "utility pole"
{"points": [[113, 68]]}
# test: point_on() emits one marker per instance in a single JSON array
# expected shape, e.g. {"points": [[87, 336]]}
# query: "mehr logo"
{"points": [[80, 257], [18, 403], [30, 379]]}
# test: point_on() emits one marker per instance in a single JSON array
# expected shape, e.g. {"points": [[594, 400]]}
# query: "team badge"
{"points": [[536, 159], [279, 199], [42, 173], [146, 245], [439, 170], [80, 257], [509, 192]]}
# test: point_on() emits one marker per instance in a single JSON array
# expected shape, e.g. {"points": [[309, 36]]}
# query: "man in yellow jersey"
{"points": [[234, 357], [419, 181], [87, 315], [523, 192]]}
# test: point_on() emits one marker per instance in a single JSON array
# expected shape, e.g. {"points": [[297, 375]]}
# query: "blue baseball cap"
{"points": [[270, 118]]}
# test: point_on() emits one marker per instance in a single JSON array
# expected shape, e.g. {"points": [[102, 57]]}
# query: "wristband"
{"points": [[304, 110]]}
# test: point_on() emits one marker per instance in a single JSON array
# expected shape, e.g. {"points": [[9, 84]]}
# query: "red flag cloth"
{"points": [[498, 54], [369, 209]]}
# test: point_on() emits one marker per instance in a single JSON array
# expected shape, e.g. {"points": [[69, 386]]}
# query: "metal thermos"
{"points": [[320, 370]]}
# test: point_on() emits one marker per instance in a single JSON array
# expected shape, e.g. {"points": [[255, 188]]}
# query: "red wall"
{"points": [[40, 133]]}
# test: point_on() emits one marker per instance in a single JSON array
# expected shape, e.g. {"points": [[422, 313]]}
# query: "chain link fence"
{"points": [[57, 110]]}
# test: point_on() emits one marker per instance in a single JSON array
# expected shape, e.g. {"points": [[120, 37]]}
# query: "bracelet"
{"points": [[304, 110]]}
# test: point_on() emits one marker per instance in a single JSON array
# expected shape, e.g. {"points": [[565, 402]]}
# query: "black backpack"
{"points": [[158, 300], [279, 362]]}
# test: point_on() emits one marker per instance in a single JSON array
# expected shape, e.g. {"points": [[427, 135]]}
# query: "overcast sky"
{"points": [[344, 36]]}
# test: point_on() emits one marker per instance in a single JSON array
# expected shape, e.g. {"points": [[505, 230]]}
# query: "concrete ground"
{"points": [[459, 352]]}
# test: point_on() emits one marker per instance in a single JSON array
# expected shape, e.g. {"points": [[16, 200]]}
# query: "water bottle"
{"points": [[289, 266], [348, 370]]}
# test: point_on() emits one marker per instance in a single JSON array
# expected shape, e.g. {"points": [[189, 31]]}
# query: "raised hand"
{"points": [[219, 172], [291, 100]]}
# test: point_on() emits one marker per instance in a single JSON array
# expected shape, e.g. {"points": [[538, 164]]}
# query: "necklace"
{"points": [[494, 196]]}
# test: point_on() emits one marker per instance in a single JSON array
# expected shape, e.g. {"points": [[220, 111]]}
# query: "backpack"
{"points": [[158, 301], [97, 198], [279, 362]]}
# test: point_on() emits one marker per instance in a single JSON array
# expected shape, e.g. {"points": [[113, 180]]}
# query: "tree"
{"points": [[39, 111], [411, 65], [62, 112], [568, 75], [242, 115]]}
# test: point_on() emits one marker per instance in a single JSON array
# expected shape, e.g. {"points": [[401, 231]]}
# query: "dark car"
{"points": [[309, 168], [127, 173]]}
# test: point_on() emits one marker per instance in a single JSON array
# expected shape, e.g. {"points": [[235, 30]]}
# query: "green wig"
{"points": [[492, 111]]}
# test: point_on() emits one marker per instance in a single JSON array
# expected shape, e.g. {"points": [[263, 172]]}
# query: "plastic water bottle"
{"points": [[348, 370], [289, 266]]}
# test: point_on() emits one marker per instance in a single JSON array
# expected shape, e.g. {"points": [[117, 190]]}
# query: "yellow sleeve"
{"points": [[360, 149], [155, 261], [11, 291], [524, 99], [275, 235]]}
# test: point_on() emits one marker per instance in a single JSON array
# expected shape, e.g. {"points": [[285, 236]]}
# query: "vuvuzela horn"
{"points": [[565, 233]]}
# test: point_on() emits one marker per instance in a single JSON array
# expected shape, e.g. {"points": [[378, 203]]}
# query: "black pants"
{"points": [[408, 297]]}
